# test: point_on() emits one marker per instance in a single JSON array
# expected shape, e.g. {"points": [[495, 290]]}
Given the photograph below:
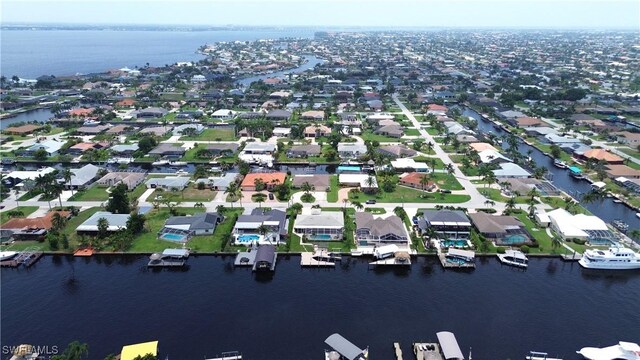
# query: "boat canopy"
{"points": [[386, 249], [344, 347], [462, 253], [575, 169], [449, 345], [176, 252]]}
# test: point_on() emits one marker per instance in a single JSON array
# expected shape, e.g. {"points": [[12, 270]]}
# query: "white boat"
{"points": [[160, 162], [624, 351], [616, 258], [638, 215], [177, 163], [536, 355], [182, 172], [560, 164], [617, 201], [6, 255], [514, 258]]}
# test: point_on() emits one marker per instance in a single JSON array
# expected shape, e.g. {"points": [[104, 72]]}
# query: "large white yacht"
{"points": [[616, 258], [624, 351]]}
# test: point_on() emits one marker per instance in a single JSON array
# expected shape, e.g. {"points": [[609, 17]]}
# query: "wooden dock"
{"points": [[307, 260], [245, 258], [571, 257], [427, 351], [396, 347], [393, 261], [25, 258]]}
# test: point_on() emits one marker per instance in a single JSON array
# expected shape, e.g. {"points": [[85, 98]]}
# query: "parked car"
{"points": [[445, 191], [370, 202], [270, 196]]}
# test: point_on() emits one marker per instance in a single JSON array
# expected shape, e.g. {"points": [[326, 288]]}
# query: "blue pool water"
{"points": [[173, 237], [248, 238], [449, 243], [321, 237], [515, 239], [348, 168]]}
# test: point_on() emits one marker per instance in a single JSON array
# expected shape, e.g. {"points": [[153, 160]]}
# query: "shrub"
{"points": [[524, 249], [500, 250]]}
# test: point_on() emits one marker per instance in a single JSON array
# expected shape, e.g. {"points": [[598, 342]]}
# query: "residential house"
{"points": [[171, 183], [437, 110], [312, 115], [415, 180], [378, 231], [156, 130], [130, 179], [196, 129], [319, 182], [150, 113], [126, 150], [223, 114], [616, 171], [221, 149], [316, 131], [258, 148], [580, 226], [555, 139], [82, 178], [52, 147], [192, 225], [274, 220], [396, 151], [602, 155], [395, 131], [83, 147], [503, 230], [303, 151], [169, 151], [120, 129], [91, 130], [219, 183], [492, 157], [269, 179], [22, 130], [351, 150], [32, 228], [629, 138], [281, 132], [408, 164], [510, 170], [511, 114], [278, 115], [319, 225], [525, 122], [366, 182], [447, 224], [116, 222]]}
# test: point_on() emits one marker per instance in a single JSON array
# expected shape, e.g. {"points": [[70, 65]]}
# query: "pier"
{"points": [[25, 258], [459, 259], [231, 355], [246, 258], [399, 259], [396, 347], [169, 258], [427, 351], [308, 259]]}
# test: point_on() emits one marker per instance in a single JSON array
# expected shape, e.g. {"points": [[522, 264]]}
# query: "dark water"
{"points": [[32, 53], [311, 62], [40, 115], [605, 209], [499, 311]]}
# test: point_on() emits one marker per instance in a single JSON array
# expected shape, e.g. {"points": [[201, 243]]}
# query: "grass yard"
{"points": [[432, 131], [332, 195], [148, 240], [446, 181], [412, 132], [408, 195], [188, 194], [211, 243], [213, 135], [26, 211], [369, 135], [436, 162], [94, 193], [137, 192]]}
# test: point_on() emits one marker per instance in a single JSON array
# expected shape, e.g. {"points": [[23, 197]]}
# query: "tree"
{"points": [[103, 228], [358, 205], [40, 155], [424, 181], [55, 190], [135, 224], [510, 205], [119, 201], [450, 169], [296, 208], [232, 192], [67, 175], [259, 184], [57, 222], [147, 143], [306, 187], [370, 181], [74, 351], [200, 172], [556, 151], [259, 198]]}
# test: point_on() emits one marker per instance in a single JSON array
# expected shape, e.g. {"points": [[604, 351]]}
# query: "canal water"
{"points": [[500, 312], [40, 115], [605, 208], [310, 62]]}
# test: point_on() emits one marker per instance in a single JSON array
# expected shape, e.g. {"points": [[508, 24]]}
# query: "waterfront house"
{"points": [[219, 183], [524, 122], [124, 149], [351, 150], [318, 225], [120, 129], [269, 179], [615, 171], [511, 114], [503, 230], [117, 222], [91, 130], [510, 170], [170, 183], [312, 115], [169, 151], [481, 146], [437, 110], [555, 139], [447, 224], [319, 182], [365, 182], [303, 151], [130, 179], [192, 225], [274, 221], [83, 147], [414, 180], [258, 148], [492, 157], [82, 178], [407, 164], [196, 129], [22, 130], [150, 113], [602, 155], [52, 147], [580, 227], [32, 228], [25, 177], [379, 230], [221, 149]]}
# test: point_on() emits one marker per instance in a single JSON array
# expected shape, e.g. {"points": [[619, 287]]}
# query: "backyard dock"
{"points": [[307, 259], [231, 355], [394, 261], [169, 258], [25, 258], [427, 351], [396, 347], [246, 258], [571, 257], [454, 265]]}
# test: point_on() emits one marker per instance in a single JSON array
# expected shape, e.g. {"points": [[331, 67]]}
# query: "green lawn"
{"points": [[188, 194], [543, 239], [412, 132], [94, 193], [332, 195], [496, 195], [214, 242], [432, 131], [408, 195], [446, 181], [148, 240], [216, 134], [137, 192], [437, 162], [369, 135], [26, 211]]}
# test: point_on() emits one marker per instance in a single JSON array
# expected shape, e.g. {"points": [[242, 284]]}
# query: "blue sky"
{"points": [[590, 14]]}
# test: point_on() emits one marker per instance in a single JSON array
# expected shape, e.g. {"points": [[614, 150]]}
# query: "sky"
{"points": [[583, 14]]}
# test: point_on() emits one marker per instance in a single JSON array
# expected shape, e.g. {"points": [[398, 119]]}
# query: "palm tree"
{"points": [[424, 181], [259, 198], [358, 205], [489, 203], [67, 174], [232, 191], [510, 205], [370, 181], [56, 191], [58, 221], [263, 230], [450, 169], [306, 187], [296, 208], [533, 193]]}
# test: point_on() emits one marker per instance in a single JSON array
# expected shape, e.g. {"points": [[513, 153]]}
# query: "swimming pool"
{"points": [[247, 238], [174, 237], [348, 169], [458, 243], [320, 237], [515, 239]]}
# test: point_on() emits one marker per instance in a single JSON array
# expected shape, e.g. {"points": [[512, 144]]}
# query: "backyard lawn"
{"points": [[94, 193], [403, 194], [412, 132], [188, 194], [369, 135], [213, 135], [332, 195], [148, 240]]}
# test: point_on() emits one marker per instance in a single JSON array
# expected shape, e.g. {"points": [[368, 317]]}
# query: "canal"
{"points": [[40, 115], [310, 62], [605, 208], [500, 312]]}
